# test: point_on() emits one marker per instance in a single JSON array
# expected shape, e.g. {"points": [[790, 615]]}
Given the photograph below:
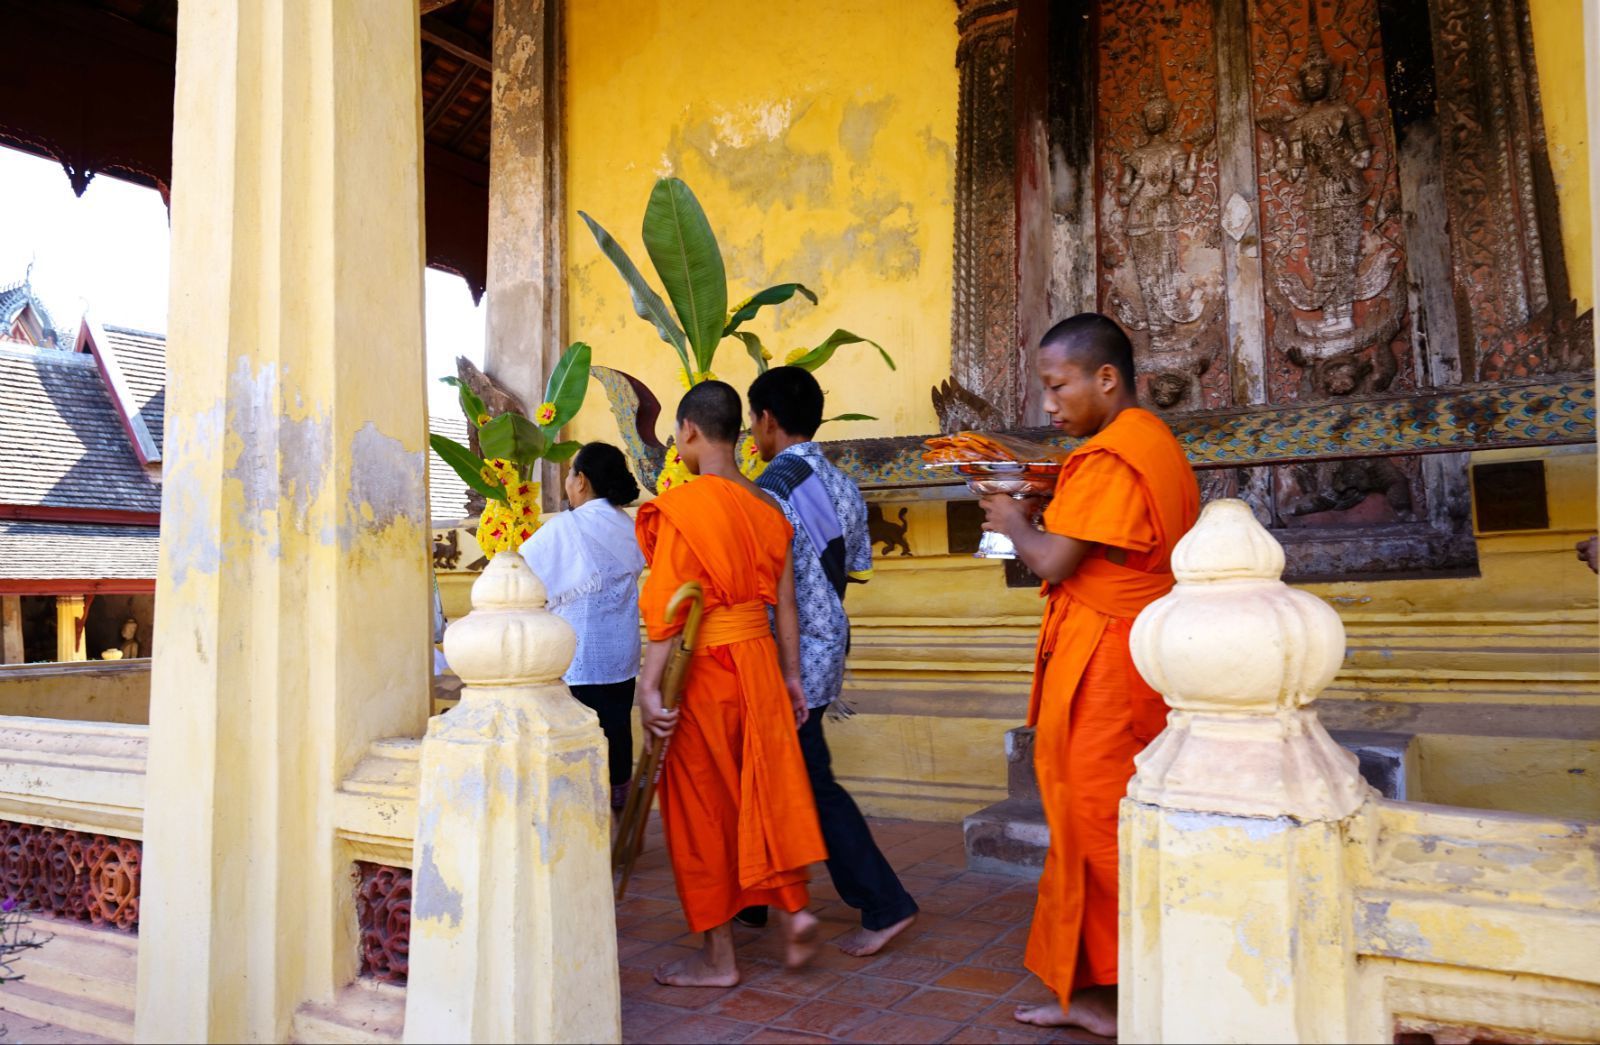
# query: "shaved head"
{"points": [[714, 408], [1092, 341]]}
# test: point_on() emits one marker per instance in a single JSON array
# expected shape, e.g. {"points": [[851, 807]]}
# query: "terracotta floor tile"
{"points": [[821, 1016], [1002, 912], [999, 957], [993, 982], [1017, 936], [655, 956], [951, 949], [911, 968], [660, 928], [900, 1028], [976, 1035], [961, 928], [786, 1037], [931, 869], [1000, 1017], [959, 1006], [627, 946], [802, 983], [698, 1027], [753, 1006], [685, 997], [938, 902], [640, 1019], [872, 991]]}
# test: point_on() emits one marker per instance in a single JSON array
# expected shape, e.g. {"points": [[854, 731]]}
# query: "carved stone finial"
{"points": [[1240, 656], [509, 638]]}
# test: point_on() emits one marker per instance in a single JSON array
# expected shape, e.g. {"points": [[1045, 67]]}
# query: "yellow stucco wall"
{"points": [[820, 139], [826, 156], [1559, 55]]}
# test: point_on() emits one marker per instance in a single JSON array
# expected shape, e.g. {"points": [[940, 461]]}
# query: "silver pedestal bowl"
{"points": [[1018, 479]]}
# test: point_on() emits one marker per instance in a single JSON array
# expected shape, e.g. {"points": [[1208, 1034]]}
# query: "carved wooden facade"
{"points": [[1291, 201]]}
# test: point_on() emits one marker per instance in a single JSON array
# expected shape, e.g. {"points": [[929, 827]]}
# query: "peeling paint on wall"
{"points": [[386, 487]]}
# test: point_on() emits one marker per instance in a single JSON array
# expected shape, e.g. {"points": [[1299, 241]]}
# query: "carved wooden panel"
{"points": [[1160, 257], [985, 359], [1331, 216]]}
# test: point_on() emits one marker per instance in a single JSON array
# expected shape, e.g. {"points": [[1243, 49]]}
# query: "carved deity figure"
{"points": [[1154, 175], [1327, 147], [130, 641]]}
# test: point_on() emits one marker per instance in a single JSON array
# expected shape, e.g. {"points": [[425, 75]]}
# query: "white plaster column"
{"points": [[293, 581], [512, 920], [1235, 898]]}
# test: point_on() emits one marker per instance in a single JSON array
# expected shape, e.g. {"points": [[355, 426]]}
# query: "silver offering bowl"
{"points": [[1021, 480]]}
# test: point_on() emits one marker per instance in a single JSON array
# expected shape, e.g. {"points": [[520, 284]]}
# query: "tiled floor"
{"points": [[955, 976]]}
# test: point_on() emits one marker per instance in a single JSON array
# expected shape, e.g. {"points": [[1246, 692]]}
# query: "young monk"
{"points": [[1125, 497], [735, 802]]}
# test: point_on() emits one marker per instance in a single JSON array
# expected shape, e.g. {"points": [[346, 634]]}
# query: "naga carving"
{"points": [[1330, 199], [1161, 262]]}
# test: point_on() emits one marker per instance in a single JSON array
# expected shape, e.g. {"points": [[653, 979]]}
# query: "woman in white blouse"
{"points": [[589, 561]]}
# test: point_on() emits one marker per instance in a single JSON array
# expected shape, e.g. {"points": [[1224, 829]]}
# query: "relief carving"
{"points": [[1161, 260], [1332, 223]]}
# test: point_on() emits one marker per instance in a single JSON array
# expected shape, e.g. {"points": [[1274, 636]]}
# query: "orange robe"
{"points": [[736, 803], [1129, 488]]}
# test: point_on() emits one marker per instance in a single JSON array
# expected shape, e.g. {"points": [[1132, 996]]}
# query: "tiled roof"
{"points": [[19, 294], [76, 551], [142, 358], [447, 493], [61, 442]]}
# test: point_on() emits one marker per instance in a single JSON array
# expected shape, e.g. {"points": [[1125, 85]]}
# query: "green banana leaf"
{"points": [[514, 438], [466, 464], [471, 405], [684, 250], [849, 417], [568, 384], [646, 302], [561, 453], [836, 340], [774, 295], [752, 345]]}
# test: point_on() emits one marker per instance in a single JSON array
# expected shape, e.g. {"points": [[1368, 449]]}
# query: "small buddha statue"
{"points": [[130, 643]]}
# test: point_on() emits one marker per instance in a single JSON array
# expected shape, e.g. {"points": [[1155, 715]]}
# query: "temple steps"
{"points": [[364, 1012], [81, 983]]}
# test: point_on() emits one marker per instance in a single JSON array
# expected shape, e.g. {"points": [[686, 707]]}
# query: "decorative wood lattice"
{"points": [[383, 912], [71, 874]]}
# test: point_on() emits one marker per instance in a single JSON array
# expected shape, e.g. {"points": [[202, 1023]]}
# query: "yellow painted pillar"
{"points": [[1235, 894], [293, 582], [511, 908], [70, 611]]}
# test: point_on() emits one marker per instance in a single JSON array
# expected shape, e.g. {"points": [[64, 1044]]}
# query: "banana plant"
{"points": [[513, 445], [684, 253]]}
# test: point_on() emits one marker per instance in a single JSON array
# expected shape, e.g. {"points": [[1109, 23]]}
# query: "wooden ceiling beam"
{"points": [[430, 6], [448, 96], [463, 45]]}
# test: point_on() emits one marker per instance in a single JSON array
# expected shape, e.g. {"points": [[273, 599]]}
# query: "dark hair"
{"points": [[714, 408], [607, 471], [793, 398], [1097, 340]]}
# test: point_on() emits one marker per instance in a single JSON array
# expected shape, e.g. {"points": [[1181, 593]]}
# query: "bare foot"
{"points": [[697, 971], [1094, 1009], [800, 931], [862, 942]]}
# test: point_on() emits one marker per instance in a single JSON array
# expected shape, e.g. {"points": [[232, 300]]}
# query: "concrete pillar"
{"points": [[11, 647], [511, 909], [1235, 894], [526, 317], [293, 581], [70, 612]]}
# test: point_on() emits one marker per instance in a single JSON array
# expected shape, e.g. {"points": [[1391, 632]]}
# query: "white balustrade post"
{"points": [[1235, 897], [513, 929]]}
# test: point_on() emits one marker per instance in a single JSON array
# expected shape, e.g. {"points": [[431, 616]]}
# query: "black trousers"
{"points": [[860, 872], [613, 702]]}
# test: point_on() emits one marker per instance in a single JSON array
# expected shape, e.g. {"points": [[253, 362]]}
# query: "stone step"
{"points": [[82, 1016], [1011, 836], [365, 1012], [83, 960]]}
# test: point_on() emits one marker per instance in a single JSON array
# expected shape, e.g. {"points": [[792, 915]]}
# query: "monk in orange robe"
{"points": [[1124, 498], [736, 803]]}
